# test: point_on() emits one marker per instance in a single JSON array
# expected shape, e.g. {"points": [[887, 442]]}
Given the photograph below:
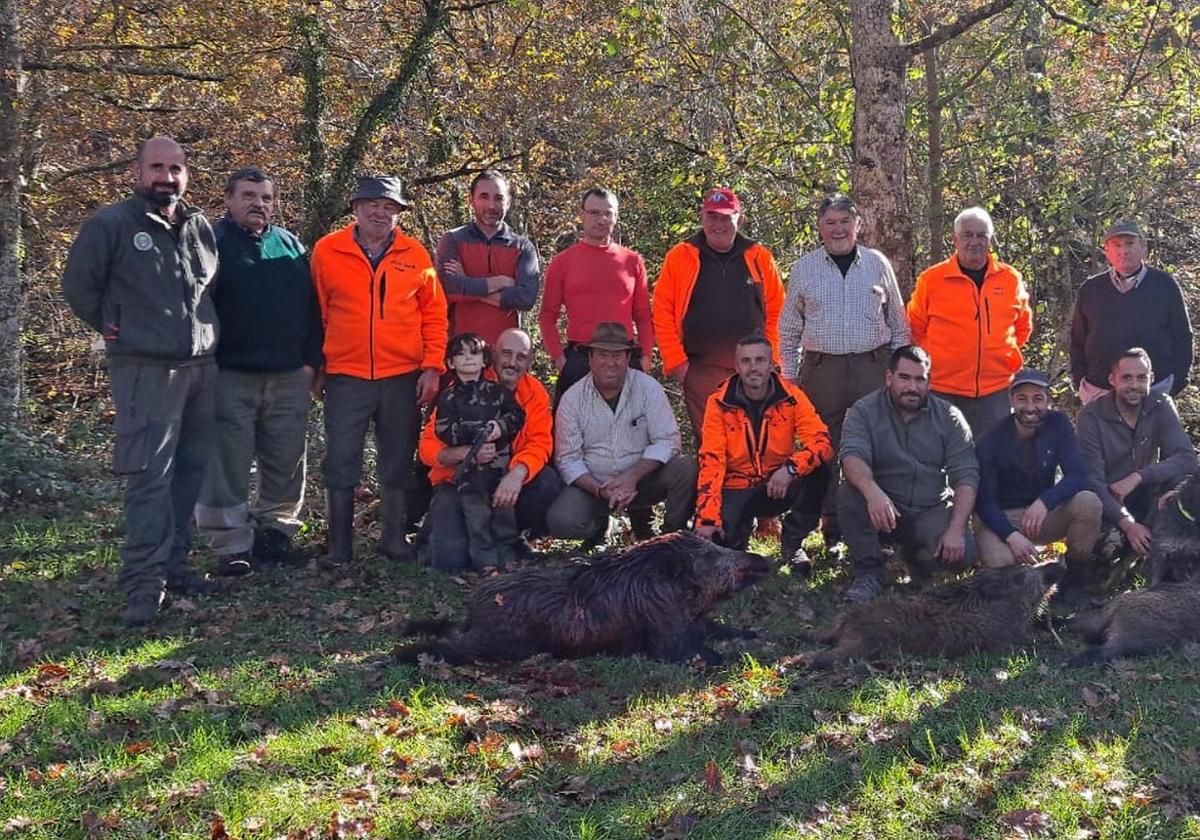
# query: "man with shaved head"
{"points": [[140, 273]]}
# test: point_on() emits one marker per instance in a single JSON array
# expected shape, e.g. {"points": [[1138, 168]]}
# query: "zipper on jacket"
{"points": [[382, 294], [978, 335], [371, 322]]}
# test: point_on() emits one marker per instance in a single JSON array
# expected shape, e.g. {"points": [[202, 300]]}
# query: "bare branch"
{"points": [[957, 26], [1067, 19], [110, 166], [182, 45], [127, 69], [465, 169]]}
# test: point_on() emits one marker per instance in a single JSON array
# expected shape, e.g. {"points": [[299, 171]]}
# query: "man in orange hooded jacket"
{"points": [[971, 314], [762, 452]]}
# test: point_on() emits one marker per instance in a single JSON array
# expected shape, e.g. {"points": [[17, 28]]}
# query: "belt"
{"points": [[817, 356]]}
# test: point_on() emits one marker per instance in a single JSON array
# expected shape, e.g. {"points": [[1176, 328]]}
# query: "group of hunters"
{"points": [[830, 402]]}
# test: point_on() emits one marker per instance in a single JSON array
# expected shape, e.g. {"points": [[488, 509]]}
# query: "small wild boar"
{"points": [[991, 611], [1175, 551], [1140, 622], [652, 599]]}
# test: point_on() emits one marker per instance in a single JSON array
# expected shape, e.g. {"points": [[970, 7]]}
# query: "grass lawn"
{"points": [[272, 710]]}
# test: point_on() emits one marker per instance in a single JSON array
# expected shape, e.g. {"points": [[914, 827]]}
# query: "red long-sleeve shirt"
{"points": [[595, 284]]}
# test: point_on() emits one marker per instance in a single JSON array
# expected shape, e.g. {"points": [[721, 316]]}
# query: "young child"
{"points": [[468, 407]]}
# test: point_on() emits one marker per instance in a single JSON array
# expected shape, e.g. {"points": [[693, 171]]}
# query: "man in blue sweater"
{"points": [[267, 357], [1020, 506]]}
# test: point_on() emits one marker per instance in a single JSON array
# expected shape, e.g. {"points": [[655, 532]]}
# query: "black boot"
{"points": [[339, 522], [393, 515]]}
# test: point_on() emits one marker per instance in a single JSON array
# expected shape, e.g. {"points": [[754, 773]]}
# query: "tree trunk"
{"points": [[878, 178], [937, 209], [10, 212]]}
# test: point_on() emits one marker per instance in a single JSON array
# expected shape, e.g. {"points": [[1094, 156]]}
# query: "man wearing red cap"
{"points": [[715, 287]]}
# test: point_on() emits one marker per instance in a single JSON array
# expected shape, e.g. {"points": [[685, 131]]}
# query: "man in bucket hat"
{"points": [[617, 445], [1129, 305], [385, 343]]}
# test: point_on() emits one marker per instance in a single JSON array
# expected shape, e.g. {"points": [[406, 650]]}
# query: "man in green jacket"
{"points": [[269, 352], [140, 273]]}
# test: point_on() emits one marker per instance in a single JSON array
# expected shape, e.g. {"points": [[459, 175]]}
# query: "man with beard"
{"points": [[911, 478], [842, 317], [715, 287], [616, 445], [1129, 305], [268, 355], [1134, 447], [530, 483], [1020, 505], [490, 273], [762, 452], [140, 273]]}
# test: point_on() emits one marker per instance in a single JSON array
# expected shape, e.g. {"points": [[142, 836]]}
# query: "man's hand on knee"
{"points": [[508, 490], [952, 547], [1023, 551], [882, 512]]}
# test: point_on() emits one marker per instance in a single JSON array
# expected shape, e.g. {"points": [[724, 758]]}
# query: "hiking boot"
{"points": [[866, 588], [141, 607], [796, 557], [234, 565], [639, 521], [272, 546], [186, 581]]}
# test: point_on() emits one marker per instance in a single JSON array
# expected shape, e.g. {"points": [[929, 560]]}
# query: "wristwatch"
{"points": [[791, 468]]}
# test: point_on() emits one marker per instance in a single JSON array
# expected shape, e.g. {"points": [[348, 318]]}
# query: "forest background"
{"points": [[274, 710], [1056, 115]]}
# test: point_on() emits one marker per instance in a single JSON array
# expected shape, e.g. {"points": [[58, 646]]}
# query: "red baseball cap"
{"points": [[721, 200]]}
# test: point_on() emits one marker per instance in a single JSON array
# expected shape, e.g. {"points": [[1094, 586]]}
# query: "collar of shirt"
{"points": [[1127, 284], [382, 250]]}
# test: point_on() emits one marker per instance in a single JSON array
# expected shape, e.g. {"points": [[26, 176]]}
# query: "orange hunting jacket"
{"points": [[735, 455], [379, 323], [974, 335], [531, 446], [674, 288]]}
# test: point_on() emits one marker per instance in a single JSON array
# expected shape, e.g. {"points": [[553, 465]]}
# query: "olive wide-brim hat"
{"points": [[380, 186], [609, 335]]}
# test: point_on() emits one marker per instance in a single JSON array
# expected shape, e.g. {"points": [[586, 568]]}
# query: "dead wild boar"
{"points": [[652, 598], [1140, 622], [991, 611], [1175, 550]]}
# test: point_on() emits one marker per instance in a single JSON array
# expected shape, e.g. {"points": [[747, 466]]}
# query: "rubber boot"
{"points": [[393, 515], [339, 521]]}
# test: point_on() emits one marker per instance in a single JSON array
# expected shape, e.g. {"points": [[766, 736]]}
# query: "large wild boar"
{"points": [[991, 611], [651, 599], [1140, 622]]}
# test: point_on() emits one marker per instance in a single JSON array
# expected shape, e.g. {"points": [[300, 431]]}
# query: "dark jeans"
{"points": [[982, 413], [802, 503], [164, 439], [917, 534], [577, 514]]}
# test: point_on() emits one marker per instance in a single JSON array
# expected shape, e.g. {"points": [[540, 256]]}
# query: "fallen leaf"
{"points": [[138, 747], [1091, 698], [1027, 822], [217, 831], [712, 778], [17, 823]]}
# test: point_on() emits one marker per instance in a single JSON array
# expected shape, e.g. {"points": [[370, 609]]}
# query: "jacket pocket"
{"points": [[130, 451]]}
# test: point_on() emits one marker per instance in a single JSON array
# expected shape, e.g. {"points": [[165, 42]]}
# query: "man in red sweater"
{"points": [[594, 280]]}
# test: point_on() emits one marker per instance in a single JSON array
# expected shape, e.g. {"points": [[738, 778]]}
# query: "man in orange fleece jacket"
{"points": [[385, 344], [971, 314]]}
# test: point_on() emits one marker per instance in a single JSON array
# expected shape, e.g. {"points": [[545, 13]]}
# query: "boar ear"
{"points": [[1053, 572]]}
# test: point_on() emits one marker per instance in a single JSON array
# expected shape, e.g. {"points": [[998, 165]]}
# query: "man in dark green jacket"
{"points": [[269, 352], [140, 273]]}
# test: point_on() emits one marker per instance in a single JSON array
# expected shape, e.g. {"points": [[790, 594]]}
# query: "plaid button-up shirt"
{"points": [[827, 313]]}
